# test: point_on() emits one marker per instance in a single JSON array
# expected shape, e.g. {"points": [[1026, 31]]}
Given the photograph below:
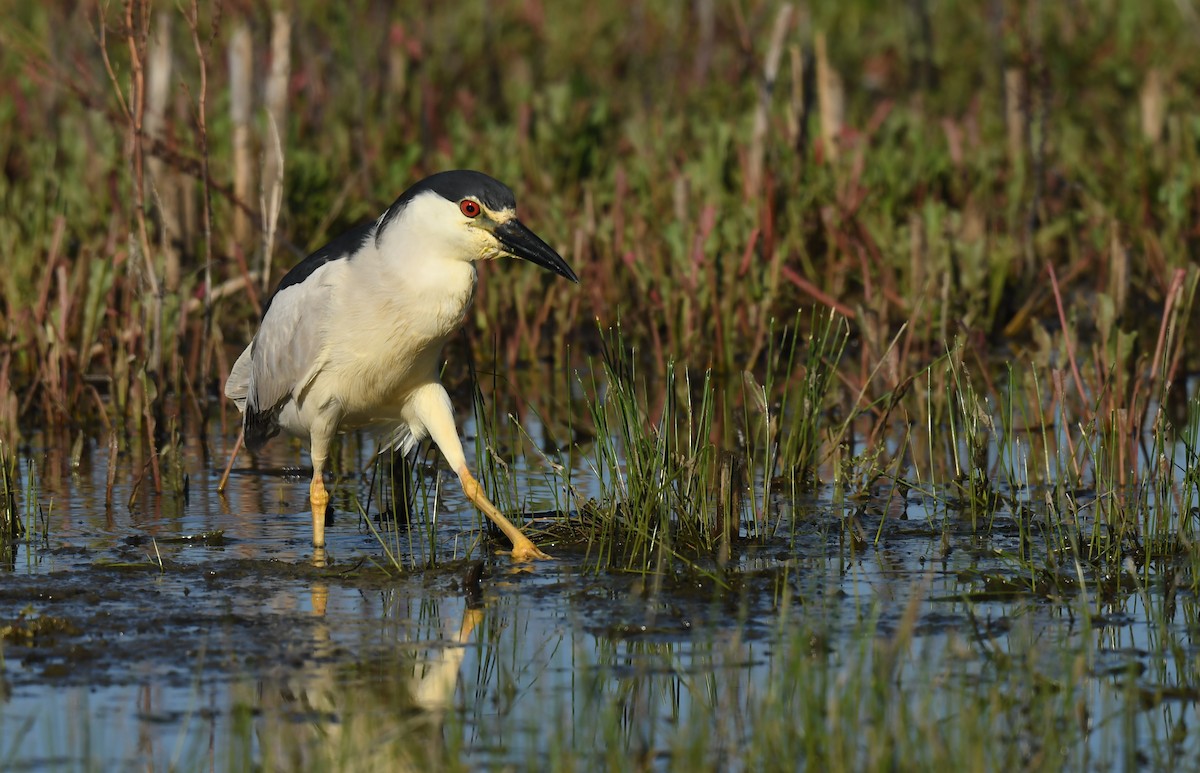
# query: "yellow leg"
{"points": [[318, 497], [523, 549]]}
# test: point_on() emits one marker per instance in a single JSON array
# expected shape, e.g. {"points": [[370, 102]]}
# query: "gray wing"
{"points": [[282, 358], [284, 354], [239, 379]]}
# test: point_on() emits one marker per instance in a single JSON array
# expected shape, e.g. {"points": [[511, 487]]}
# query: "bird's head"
{"points": [[468, 216]]}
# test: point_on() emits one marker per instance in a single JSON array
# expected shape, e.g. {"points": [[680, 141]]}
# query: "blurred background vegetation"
{"points": [[1017, 177]]}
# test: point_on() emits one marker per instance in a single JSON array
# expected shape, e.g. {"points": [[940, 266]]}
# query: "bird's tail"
{"points": [[257, 426], [238, 384]]}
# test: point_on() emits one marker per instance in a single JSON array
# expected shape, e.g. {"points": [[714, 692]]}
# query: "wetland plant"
{"points": [[677, 468], [657, 475], [804, 394], [12, 529]]}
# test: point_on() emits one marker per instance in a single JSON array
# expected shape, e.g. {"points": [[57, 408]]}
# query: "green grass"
{"points": [[929, 216]]}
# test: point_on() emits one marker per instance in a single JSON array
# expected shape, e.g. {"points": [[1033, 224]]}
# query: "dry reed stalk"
{"points": [[63, 351], [1184, 291], [110, 477], [397, 62], [831, 99], [245, 282], [796, 112], [1062, 319], [9, 430], [1015, 114], [186, 175], [271, 201], [1118, 278], [276, 99], [1153, 102], [1161, 371], [241, 74], [762, 114], [1166, 326], [918, 253], [192, 15], [155, 470], [817, 293], [137, 35], [133, 110], [164, 183], [46, 74], [53, 358]]}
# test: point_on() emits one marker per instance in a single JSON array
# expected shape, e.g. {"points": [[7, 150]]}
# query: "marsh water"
{"points": [[189, 629]]}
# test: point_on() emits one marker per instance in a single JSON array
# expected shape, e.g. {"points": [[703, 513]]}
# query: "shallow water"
{"points": [[193, 631]]}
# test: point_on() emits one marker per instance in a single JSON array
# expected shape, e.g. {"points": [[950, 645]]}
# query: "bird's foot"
{"points": [[524, 550]]}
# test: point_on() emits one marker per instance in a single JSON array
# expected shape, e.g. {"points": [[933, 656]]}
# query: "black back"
{"points": [[342, 246]]}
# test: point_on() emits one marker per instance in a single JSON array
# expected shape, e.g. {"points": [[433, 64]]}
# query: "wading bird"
{"points": [[352, 337]]}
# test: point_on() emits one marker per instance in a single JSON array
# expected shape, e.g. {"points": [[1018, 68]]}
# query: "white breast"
{"points": [[386, 335]]}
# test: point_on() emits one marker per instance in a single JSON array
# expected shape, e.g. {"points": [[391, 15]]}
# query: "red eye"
{"points": [[469, 208]]}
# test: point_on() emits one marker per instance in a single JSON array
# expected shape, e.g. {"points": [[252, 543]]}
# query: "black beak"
{"points": [[523, 243]]}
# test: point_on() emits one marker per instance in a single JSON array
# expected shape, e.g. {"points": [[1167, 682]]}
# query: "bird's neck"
{"points": [[427, 294]]}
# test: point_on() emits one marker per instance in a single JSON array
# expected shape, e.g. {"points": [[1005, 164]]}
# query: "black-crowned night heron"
{"points": [[352, 337]]}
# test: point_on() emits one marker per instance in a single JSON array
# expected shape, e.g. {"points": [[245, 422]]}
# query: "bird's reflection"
{"points": [[338, 713]]}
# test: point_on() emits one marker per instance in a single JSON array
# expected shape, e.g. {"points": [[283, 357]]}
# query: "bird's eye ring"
{"points": [[469, 208]]}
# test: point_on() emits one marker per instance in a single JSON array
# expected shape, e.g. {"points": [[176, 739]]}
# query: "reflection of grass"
{"points": [[961, 665], [840, 694]]}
